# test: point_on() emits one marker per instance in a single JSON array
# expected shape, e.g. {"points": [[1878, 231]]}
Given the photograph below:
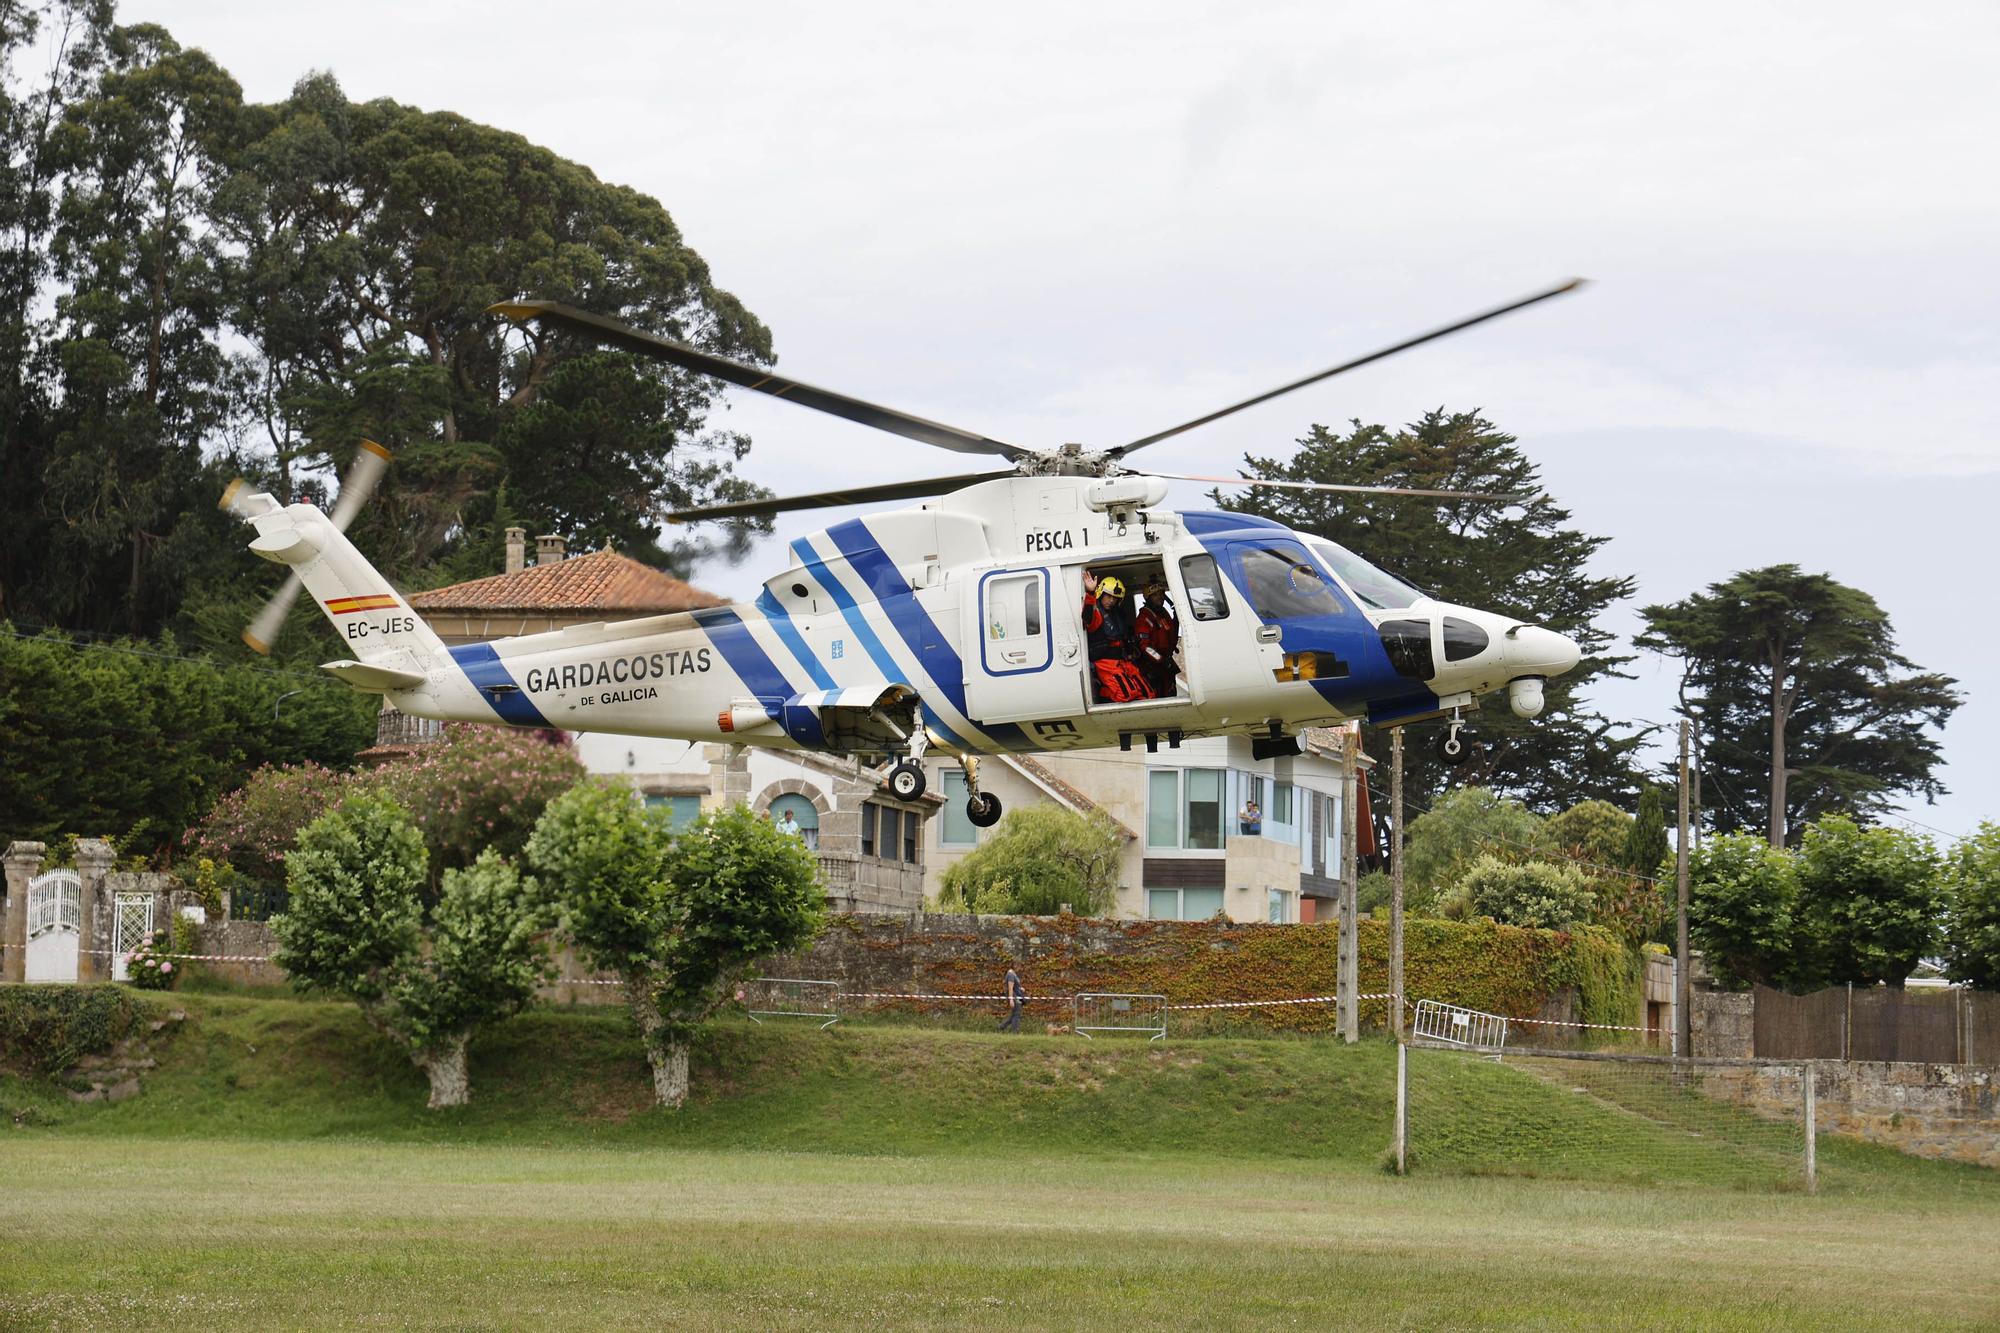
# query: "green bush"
{"points": [[48, 1028], [1037, 860], [1535, 894], [1972, 935]]}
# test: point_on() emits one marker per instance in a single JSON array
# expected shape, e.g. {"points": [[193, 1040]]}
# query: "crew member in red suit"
{"points": [[1158, 632], [1109, 638]]}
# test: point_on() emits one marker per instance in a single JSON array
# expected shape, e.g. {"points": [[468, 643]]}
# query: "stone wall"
{"points": [[1950, 1112], [1721, 1024]]}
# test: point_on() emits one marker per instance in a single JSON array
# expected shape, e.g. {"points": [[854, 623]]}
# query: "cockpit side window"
{"points": [[1206, 600], [1372, 587], [1285, 586]]}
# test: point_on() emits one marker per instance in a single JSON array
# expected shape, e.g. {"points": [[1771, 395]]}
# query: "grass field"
{"points": [[279, 1170]]}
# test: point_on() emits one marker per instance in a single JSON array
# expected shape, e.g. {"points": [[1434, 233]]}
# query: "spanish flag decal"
{"points": [[379, 601]]}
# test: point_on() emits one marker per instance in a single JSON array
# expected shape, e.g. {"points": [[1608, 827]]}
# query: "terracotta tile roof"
{"points": [[600, 581]]}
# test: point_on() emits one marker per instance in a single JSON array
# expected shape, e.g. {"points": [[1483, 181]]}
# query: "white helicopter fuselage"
{"points": [[961, 616]]}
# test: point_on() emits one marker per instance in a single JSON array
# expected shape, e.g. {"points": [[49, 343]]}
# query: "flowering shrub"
{"points": [[147, 968], [253, 827], [479, 787]]}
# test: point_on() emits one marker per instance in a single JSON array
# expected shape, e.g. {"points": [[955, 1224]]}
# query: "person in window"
{"points": [[1110, 640], [1157, 631], [1250, 819], [788, 823]]}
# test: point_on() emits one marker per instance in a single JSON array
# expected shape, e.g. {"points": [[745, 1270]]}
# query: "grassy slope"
{"points": [[280, 1170]]}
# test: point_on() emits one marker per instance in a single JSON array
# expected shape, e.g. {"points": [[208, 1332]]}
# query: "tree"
{"points": [[354, 927], [676, 919], [740, 891], [1039, 859], [365, 242], [1463, 826], [140, 741], [1524, 560], [1742, 897], [1869, 904], [1646, 844], [1972, 933], [1529, 893], [1797, 688], [1592, 838]]}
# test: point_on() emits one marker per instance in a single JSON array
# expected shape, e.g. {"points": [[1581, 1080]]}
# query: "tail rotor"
{"points": [[370, 462]]}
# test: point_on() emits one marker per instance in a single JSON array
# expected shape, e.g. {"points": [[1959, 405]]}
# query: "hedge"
{"points": [[48, 1028]]}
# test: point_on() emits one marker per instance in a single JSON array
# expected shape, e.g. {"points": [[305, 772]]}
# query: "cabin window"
{"points": [[1014, 606], [1206, 600], [1283, 586], [1463, 640], [1371, 586]]}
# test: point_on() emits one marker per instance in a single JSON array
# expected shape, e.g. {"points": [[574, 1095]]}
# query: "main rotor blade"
{"points": [[1345, 366], [854, 495], [1504, 497], [616, 333]]}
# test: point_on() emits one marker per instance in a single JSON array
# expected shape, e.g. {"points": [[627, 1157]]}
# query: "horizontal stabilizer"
{"points": [[372, 679]]}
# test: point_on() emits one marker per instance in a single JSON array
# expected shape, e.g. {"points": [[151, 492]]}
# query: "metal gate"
{"points": [[1455, 1025], [55, 926], [131, 926]]}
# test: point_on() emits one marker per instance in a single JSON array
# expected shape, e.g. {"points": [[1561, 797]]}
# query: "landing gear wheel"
{"points": [[983, 810], [906, 780], [1454, 747]]}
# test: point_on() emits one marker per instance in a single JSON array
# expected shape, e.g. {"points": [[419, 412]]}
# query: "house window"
{"points": [[1204, 809], [680, 810], [1183, 904], [954, 826], [1332, 830], [1163, 808], [868, 830], [1280, 904], [892, 829], [1281, 803], [912, 821], [803, 812]]}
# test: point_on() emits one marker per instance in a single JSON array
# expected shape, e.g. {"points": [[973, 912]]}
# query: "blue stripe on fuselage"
{"points": [[489, 675], [878, 652], [934, 653], [780, 620], [746, 658]]}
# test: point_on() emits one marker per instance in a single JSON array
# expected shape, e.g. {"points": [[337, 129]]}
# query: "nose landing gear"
{"points": [[1455, 746]]}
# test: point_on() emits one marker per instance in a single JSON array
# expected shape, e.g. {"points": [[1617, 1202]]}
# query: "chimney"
{"points": [[548, 550], [517, 549]]}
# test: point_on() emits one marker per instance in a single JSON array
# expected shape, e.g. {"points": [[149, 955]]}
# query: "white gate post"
{"points": [[1402, 1107], [1812, 1128]]}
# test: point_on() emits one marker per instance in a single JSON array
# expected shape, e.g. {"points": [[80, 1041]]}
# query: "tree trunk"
{"points": [[670, 1074], [668, 1058], [445, 1066]]}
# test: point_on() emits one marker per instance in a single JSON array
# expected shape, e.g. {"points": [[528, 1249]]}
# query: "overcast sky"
{"points": [[1055, 222]]}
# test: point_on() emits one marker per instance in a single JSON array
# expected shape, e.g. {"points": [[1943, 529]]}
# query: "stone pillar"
{"points": [[23, 861], [94, 859]]}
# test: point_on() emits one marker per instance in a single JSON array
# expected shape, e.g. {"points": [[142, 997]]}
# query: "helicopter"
{"points": [[957, 624]]}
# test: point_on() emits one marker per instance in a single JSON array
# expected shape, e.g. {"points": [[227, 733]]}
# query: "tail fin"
{"points": [[392, 646]]}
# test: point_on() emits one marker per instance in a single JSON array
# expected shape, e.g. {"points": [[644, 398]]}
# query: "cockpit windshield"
{"points": [[1372, 587]]}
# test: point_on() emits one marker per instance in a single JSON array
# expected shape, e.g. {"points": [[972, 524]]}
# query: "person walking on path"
{"points": [[1017, 995]]}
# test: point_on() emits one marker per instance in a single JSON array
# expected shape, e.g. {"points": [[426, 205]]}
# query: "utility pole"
{"points": [[1683, 979], [1349, 989], [1396, 883]]}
